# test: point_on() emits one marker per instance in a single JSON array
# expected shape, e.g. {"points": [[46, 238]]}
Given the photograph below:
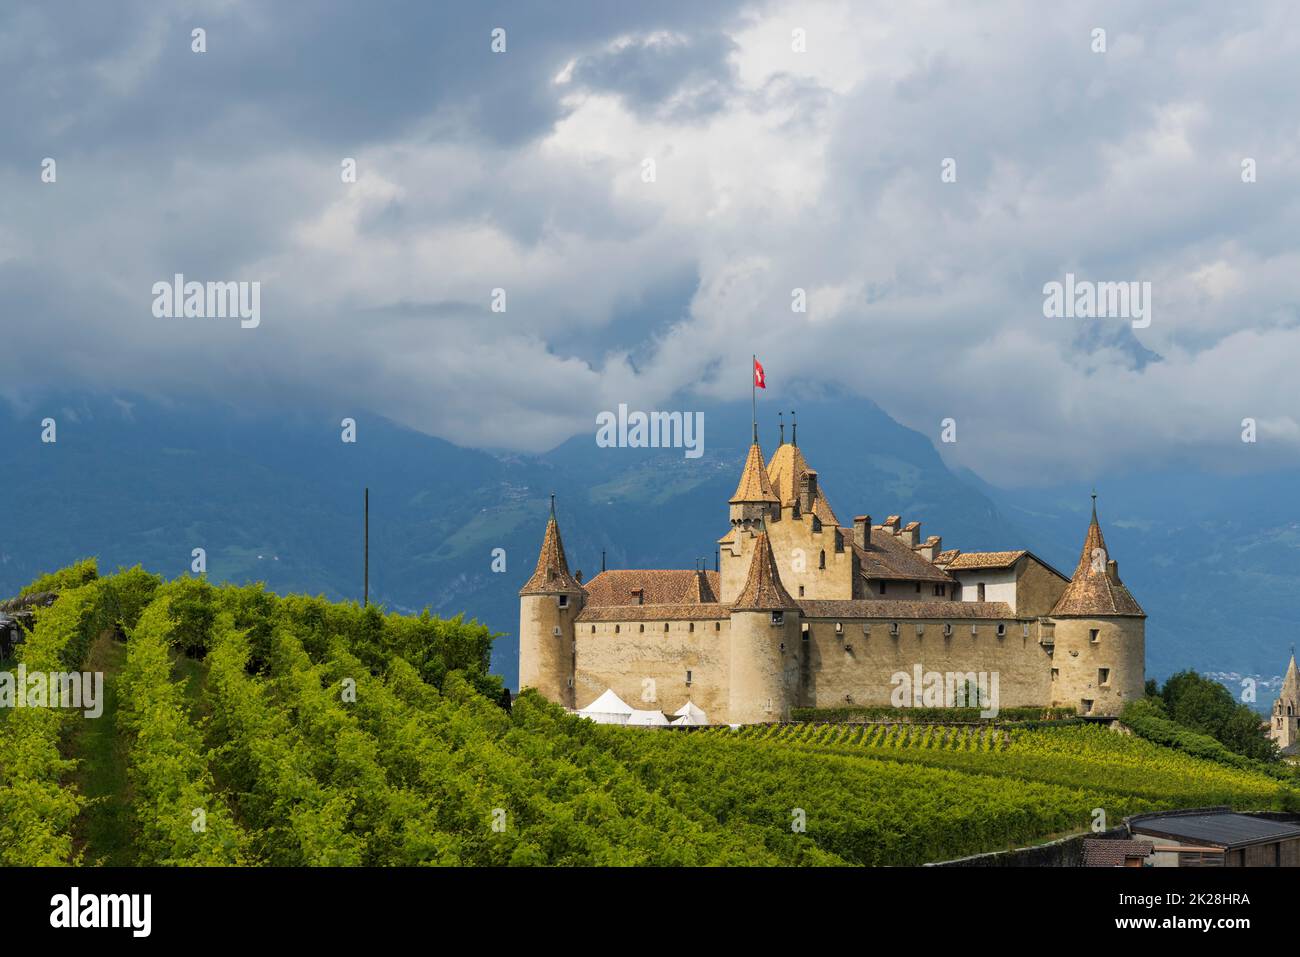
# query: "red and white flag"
{"points": [[760, 381]]}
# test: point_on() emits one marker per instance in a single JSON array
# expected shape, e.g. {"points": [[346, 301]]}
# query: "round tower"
{"points": [[764, 635], [1099, 656], [548, 604]]}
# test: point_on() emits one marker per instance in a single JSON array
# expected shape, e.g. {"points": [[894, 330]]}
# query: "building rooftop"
{"points": [[1219, 827], [658, 586], [1099, 852], [905, 610]]}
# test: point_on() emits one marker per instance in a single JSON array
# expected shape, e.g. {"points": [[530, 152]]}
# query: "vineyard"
{"points": [[244, 728]]}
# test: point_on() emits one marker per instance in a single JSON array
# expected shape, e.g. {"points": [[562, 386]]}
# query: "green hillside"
{"points": [[240, 727]]}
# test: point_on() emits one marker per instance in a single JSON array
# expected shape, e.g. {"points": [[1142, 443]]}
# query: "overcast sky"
{"points": [[775, 169]]}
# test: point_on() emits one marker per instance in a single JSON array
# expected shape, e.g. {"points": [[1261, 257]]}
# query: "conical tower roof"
{"points": [[1095, 588], [552, 573], [1291, 683], [755, 486], [786, 470], [763, 590]]}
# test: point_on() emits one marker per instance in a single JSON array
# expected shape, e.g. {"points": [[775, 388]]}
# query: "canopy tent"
{"points": [[647, 718], [609, 708], [690, 714]]}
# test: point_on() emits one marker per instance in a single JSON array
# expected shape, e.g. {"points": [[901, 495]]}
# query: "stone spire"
{"points": [[1291, 683], [755, 486], [552, 573], [763, 590], [1096, 589]]}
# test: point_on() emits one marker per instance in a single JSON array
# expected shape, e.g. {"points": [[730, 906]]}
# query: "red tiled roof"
{"points": [[1098, 852], [660, 586]]}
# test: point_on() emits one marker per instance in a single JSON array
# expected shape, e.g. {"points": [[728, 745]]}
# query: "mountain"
{"points": [[278, 498]]}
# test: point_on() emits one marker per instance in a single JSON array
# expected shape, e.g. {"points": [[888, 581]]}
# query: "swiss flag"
{"points": [[760, 381]]}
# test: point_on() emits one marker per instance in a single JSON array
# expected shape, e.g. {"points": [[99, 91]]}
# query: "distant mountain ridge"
{"points": [[277, 497]]}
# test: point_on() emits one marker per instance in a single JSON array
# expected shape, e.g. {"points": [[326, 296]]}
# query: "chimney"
{"points": [[638, 596], [577, 576], [1112, 571], [891, 524], [807, 490], [912, 534], [930, 550], [862, 530]]}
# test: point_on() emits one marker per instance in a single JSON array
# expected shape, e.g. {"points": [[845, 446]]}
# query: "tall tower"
{"points": [[1099, 660], [764, 637], [753, 504], [548, 604], [1286, 712]]}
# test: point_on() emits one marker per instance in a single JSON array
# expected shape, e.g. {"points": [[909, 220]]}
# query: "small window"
{"points": [[821, 562], [717, 626], [1002, 630], [893, 628], [801, 591], [817, 524], [839, 628], [938, 591], [641, 627], [1056, 673], [691, 627], [616, 628], [593, 629], [1103, 676], [778, 618], [947, 631], [556, 631], [979, 592], [665, 626], [1085, 706], [688, 677], [1094, 635], [564, 601], [882, 588], [918, 588], [570, 682]]}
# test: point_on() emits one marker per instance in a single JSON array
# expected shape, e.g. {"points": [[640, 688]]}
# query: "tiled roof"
{"points": [[905, 610], [1098, 852], [699, 591], [886, 556], [673, 612], [986, 559], [1092, 591], [755, 486], [946, 556], [763, 590], [786, 470], [1291, 683], [660, 586], [552, 572]]}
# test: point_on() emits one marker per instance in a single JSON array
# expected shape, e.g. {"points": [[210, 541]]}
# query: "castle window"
{"points": [[556, 631], [564, 601], [1103, 676], [817, 524], [616, 627], [593, 629], [1094, 635], [893, 628], [688, 677], [882, 588], [1085, 705], [641, 627], [939, 590], [979, 592], [1056, 673], [801, 591], [665, 626], [821, 562], [778, 618], [691, 627], [717, 626], [839, 628], [947, 631], [1002, 630]]}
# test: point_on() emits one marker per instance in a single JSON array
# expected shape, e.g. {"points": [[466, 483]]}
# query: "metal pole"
{"points": [[365, 599]]}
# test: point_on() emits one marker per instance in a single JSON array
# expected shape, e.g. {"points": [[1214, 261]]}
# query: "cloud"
{"points": [[774, 170]]}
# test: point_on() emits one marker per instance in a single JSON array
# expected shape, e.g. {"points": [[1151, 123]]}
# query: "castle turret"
{"points": [[1099, 658], [754, 500], [548, 604], [1286, 712], [764, 638]]}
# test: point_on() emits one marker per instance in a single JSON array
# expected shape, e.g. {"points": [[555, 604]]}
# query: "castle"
{"points": [[806, 612]]}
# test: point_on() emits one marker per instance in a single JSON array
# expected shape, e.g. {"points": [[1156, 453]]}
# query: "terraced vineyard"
{"points": [[245, 728]]}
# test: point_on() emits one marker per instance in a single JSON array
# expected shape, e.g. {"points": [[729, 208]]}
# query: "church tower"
{"points": [[1099, 658], [1286, 712], [548, 604], [764, 638]]}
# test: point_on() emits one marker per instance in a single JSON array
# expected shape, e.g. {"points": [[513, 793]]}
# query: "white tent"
{"points": [[609, 708], [647, 718], [690, 713]]}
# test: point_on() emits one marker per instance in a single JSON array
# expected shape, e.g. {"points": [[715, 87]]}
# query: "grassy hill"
{"points": [[241, 727]]}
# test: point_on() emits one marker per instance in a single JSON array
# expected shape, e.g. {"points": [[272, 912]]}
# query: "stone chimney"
{"points": [[1112, 571], [807, 490], [930, 550], [862, 530], [891, 524], [912, 534]]}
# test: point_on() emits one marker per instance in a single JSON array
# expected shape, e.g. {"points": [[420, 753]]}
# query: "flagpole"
{"points": [[753, 393]]}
